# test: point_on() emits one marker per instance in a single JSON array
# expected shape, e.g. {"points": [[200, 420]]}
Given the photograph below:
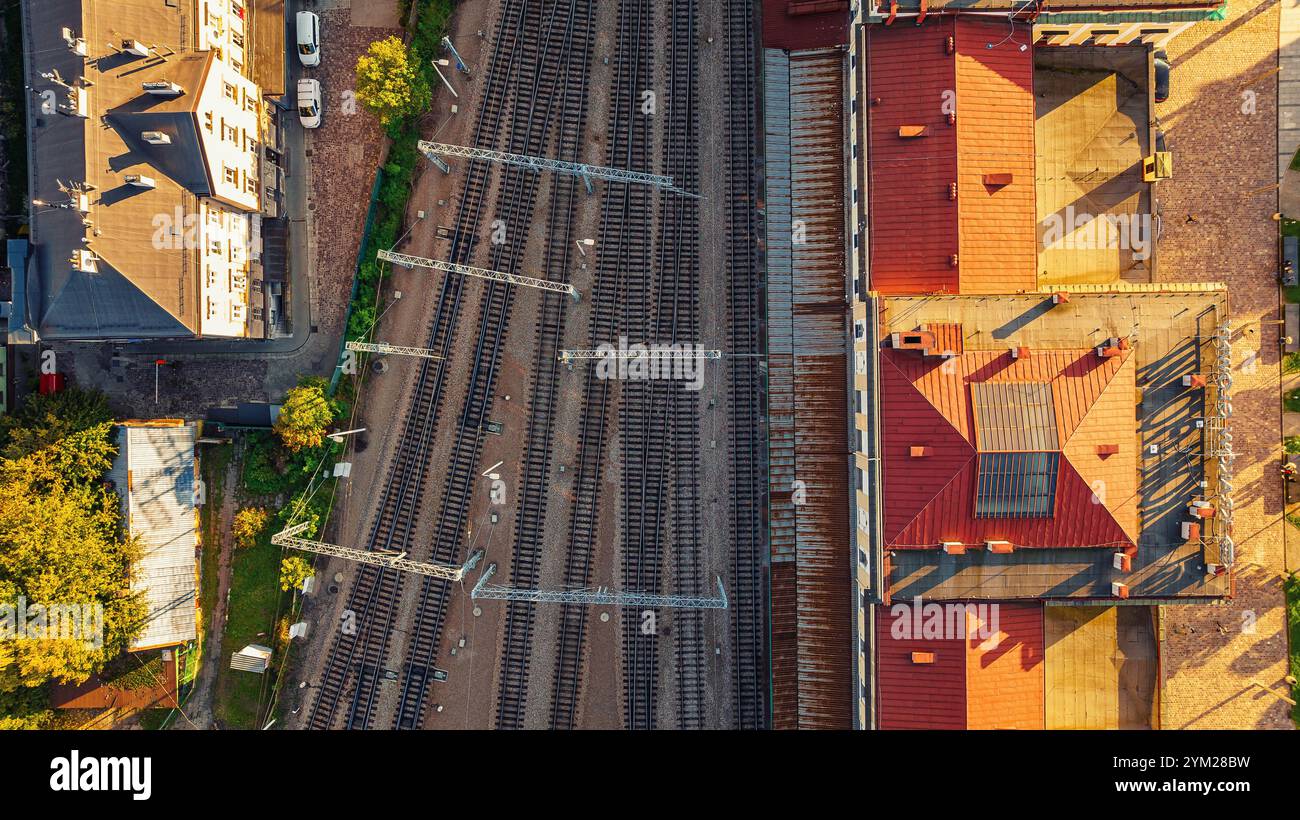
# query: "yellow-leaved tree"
{"points": [[389, 82], [305, 416]]}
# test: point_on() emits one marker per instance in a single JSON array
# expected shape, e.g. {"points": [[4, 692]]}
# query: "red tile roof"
{"points": [[930, 204], [974, 682], [931, 499]]}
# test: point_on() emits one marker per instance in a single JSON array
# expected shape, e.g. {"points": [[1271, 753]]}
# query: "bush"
{"points": [[250, 522]]}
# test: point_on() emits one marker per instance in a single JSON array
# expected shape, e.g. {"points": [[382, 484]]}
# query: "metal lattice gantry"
{"points": [[481, 273], [396, 350], [600, 596], [288, 538], [580, 169], [650, 352]]}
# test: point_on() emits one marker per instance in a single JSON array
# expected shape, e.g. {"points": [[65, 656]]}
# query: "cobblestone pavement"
{"points": [[1220, 663]]}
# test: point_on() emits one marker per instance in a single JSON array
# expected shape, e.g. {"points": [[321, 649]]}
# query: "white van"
{"points": [[308, 38], [309, 103]]}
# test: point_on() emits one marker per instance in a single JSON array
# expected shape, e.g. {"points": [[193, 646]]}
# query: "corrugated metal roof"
{"points": [[154, 476], [793, 25], [807, 368]]}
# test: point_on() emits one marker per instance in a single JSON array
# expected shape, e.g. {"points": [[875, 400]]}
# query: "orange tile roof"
{"points": [[931, 499], [990, 678], [998, 223], [917, 227]]}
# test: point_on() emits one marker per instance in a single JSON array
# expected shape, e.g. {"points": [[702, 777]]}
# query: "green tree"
{"points": [[293, 571], [390, 82], [304, 416], [45, 419], [61, 542], [249, 523]]}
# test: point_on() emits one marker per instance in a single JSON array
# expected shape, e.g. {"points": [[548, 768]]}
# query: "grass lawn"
{"points": [[213, 466], [1293, 629], [1291, 401], [254, 596]]}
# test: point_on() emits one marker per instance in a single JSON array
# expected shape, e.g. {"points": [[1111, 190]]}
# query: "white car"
{"points": [[309, 103], [308, 38]]}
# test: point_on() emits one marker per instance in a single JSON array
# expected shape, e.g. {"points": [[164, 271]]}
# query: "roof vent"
{"points": [[85, 261], [921, 451], [135, 47], [1021, 352], [998, 180], [923, 657], [1104, 450], [140, 181], [910, 132], [161, 88], [1060, 297], [1196, 381], [156, 138], [77, 44]]}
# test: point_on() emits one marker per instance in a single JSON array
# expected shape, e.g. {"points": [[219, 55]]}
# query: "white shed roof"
{"points": [[154, 476]]}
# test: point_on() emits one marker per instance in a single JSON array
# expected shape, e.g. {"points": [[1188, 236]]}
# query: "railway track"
{"points": [[562, 31], [347, 694], [681, 263], [622, 264], [747, 393]]}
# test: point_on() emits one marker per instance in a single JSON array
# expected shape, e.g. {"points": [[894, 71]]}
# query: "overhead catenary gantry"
{"points": [[395, 350], [434, 150], [600, 596], [289, 538], [481, 273], [648, 352]]}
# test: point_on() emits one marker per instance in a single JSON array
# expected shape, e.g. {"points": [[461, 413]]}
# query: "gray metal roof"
{"points": [[139, 290], [154, 477]]}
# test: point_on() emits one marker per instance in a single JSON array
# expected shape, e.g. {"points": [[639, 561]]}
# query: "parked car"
{"points": [[1162, 75], [309, 103], [308, 38]]}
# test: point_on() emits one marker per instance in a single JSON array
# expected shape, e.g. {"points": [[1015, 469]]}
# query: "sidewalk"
{"points": [[1288, 112], [1220, 664]]}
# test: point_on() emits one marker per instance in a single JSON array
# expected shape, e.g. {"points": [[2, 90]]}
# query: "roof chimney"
{"points": [[1123, 562], [1196, 381], [1119, 590], [954, 547], [999, 547], [1021, 352], [140, 181], [135, 47]]}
